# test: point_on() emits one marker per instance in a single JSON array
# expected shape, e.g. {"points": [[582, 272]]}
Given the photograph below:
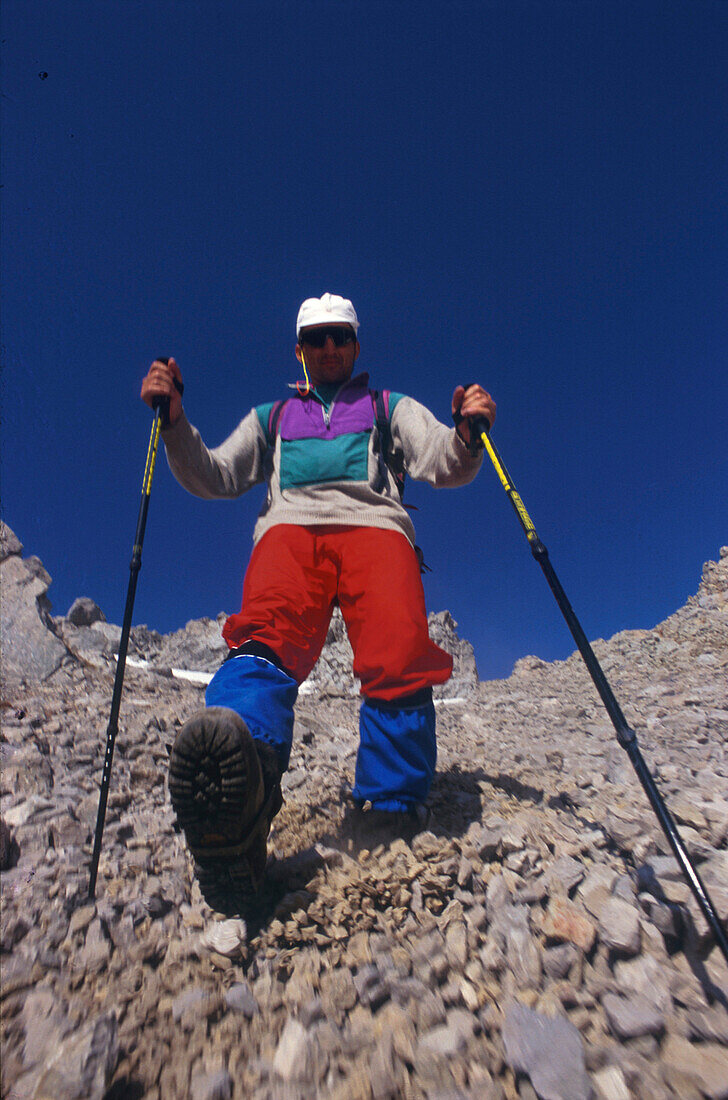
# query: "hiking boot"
{"points": [[225, 791], [373, 827]]}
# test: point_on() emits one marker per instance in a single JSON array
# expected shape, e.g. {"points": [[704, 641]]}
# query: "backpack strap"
{"points": [[380, 401], [274, 417]]}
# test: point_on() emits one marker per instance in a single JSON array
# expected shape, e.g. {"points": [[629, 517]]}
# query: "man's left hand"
{"points": [[470, 402]]}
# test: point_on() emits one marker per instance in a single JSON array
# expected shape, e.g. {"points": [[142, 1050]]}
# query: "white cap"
{"points": [[328, 309]]}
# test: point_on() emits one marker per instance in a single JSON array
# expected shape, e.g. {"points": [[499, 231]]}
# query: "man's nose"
{"points": [[329, 341]]}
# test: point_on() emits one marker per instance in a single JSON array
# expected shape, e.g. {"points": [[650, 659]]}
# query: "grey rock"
{"points": [[84, 612], [610, 1084], [564, 874], [239, 998], [619, 926], [9, 542], [451, 1037], [292, 1056], [44, 1024], [199, 646], [211, 1086], [81, 1065], [703, 1064], [464, 680], [523, 954], [9, 850], [382, 1073], [549, 1050], [29, 648], [557, 961], [444, 1040], [630, 1018], [646, 976], [709, 1024], [197, 1003]]}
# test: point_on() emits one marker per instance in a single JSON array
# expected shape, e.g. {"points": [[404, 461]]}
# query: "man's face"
{"points": [[333, 361]]}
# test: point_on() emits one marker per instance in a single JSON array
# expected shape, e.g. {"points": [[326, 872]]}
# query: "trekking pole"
{"points": [[161, 418], [627, 738]]}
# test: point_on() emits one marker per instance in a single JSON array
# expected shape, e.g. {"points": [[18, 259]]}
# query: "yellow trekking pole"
{"points": [[480, 430], [161, 418]]}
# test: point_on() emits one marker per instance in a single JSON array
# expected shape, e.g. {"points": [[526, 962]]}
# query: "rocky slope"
{"points": [[537, 941]]}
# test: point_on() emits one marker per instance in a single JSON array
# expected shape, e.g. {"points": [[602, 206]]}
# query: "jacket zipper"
{"points": [[327, 412]]}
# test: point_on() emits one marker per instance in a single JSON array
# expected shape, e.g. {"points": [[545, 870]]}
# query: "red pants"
{"points": [[297, 574]]}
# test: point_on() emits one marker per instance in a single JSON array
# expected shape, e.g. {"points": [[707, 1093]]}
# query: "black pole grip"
{"points": [[478, 425], [162, 402]]}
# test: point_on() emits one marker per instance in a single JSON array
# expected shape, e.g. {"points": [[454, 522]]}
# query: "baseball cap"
{"points": [[328, 309]]}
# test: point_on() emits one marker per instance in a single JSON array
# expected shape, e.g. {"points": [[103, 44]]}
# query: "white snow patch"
{"points": [[177, 673], [306, 687], [192, 677]]}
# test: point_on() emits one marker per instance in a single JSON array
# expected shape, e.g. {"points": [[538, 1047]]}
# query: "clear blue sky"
{"points": [[530, 194]]}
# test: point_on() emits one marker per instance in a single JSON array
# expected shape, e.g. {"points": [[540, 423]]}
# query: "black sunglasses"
{"points": [[340, 334]]}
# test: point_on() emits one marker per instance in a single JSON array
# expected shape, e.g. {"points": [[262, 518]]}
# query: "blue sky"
{"points": [[528, 194]]}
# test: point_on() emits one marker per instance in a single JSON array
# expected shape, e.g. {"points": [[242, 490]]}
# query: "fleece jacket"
{"points": [[322, 465]]}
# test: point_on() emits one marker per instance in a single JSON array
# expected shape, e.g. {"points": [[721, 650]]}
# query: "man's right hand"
{"points": [[159, 382]]}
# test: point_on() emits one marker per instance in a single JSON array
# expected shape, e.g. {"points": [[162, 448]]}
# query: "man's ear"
{"points": [[358, 349], [299, 353]]}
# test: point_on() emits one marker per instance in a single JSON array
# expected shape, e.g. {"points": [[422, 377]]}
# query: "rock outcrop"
{"points": [[538, 940], [199, 648], [29, 649]]}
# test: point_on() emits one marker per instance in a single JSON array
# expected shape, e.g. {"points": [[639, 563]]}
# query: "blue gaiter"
{"points": [[262, 695], [395, 765]]}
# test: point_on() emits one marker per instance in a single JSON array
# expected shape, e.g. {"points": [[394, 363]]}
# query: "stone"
{"points": [[239, 998], [705, 1064], [292, 1054], [630, 1018], [619, 926], [610, 1084], [564, 921], [194, 1004], [226, 937], [81, 1066], [646, 976], [564, 874], [44, 1024], [84, 612], [558, 961], [9, 542], [211, 1086], [549, 1050], [444, 1040]]}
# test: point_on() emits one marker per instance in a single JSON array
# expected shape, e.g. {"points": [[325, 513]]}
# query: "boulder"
{"points": [[84, 612], [31, 650]]}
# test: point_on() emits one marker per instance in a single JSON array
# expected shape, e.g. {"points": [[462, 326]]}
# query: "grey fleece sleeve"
{"points": [[225, 471], [432, 452]]}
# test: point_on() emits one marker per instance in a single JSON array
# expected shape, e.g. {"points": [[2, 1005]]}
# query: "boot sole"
{"points": [[215, 781]]}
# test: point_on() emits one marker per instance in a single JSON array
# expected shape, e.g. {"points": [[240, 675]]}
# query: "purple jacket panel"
{"points": [[351, 411]]}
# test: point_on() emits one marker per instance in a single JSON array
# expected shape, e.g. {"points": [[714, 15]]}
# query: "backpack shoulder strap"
{"points": [[380, 401], [274, 417]]}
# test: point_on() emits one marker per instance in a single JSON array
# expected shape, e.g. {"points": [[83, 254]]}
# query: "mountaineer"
{"points": [[332, 530]]}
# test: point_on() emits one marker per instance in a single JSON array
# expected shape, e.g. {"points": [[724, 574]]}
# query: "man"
{"points": [[332, 530]]}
